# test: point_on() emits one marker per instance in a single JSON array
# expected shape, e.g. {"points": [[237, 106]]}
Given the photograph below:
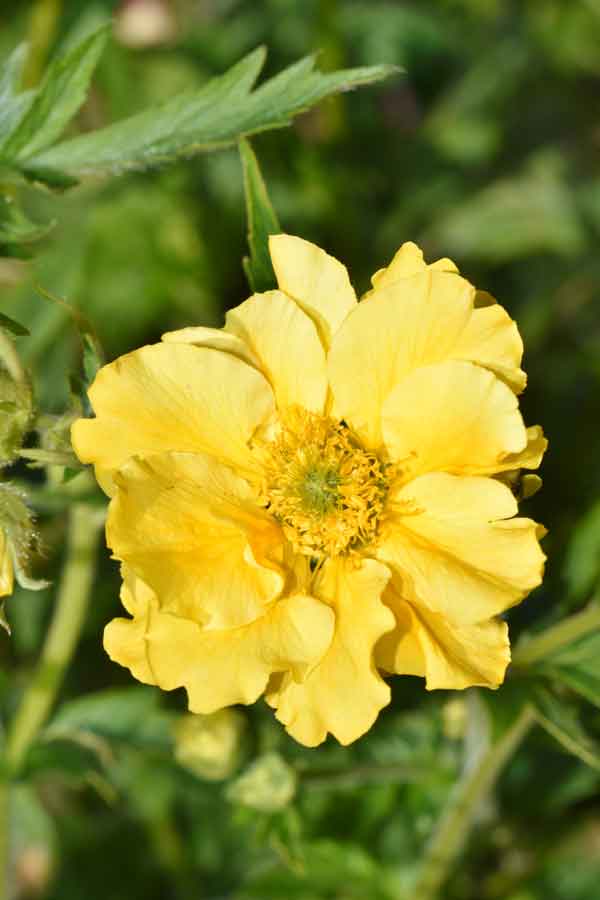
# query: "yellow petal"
{"points": [[492, 339], [453, 417], [414, 322], [216, 338], [450, 656], [408, 261], [125, 639], [315, 280], [286, 342], [190, 529], [6, 567], [173, 396], [222, 667], [344, 693], [456, 551], [532, 455]]}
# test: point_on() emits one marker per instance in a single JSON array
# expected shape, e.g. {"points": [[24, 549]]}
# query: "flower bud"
{"points": [[268, 784], [209, 746]]}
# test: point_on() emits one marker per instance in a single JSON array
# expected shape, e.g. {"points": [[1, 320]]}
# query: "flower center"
{"points": [[327, 491]]}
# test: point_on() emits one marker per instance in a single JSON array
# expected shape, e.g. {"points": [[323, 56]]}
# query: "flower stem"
{"points": [[465, 800], [85, 522], [73, 594], [534, 649]]}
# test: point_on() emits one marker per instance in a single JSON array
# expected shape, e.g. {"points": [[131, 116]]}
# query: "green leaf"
{"points": [[17, 233], [128, 714], [578, 666], [58, 98], [582, 564], [561, 721], [262, 222], [13, 105], [12, 326], [217, 115]]}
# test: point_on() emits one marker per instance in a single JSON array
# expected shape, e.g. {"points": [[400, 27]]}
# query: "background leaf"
{"points": [[56, 101], [262, 222]]}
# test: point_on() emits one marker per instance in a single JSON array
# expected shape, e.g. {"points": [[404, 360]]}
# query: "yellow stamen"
{"points": [[327, 491]]}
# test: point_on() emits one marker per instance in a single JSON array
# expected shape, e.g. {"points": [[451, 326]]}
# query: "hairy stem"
{"points": [[534, 649], [464, 802]]}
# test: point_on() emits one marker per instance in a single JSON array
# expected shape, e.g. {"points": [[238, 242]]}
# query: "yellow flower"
{"points": [[317, 495]]}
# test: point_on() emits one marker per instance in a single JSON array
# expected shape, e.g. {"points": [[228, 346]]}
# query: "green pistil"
{"points": [[319, 490]]}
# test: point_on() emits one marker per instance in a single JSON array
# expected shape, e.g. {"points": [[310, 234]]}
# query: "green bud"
{"points": [[209, 746], [268, 784], [15, 416]]}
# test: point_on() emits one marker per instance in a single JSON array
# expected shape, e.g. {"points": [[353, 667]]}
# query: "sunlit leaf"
{"points": [[58, 98], [215, 116], [262, 222]]}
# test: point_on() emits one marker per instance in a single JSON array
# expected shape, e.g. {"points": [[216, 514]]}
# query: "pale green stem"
{"points": [[42, 28], [84, 525], [85, 522], [464, 802], [534, 649]]}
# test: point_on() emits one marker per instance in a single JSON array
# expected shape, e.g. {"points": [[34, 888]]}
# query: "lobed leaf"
{"points": [[219, 114], [49, 110]]}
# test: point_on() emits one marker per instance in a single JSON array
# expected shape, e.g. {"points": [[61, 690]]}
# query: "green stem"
{"points": [[43, 22], [463, 804], [358, 776], [73, 595], [534, 649]]}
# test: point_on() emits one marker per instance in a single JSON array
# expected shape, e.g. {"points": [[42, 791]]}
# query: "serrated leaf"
{"points": [[13, 105], [262, 222], [218, 115], [58, 98], [560, 720], [12, 326]]}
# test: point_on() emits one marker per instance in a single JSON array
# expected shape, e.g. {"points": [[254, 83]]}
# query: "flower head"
{"points": [[319, 494]]}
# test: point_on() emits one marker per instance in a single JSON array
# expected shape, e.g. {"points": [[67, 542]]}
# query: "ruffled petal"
{"points": [[531, 456], [456, 550], [190, 529], [452, 417], [173, 396], [286, 342], [221, 667], [408, 261], [199, 336], [315, 280], [450, 656], [414, 322], [344, 693], [492, 339]]}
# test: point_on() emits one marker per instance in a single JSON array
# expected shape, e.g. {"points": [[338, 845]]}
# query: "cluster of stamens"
{"points": [[326, 490]]}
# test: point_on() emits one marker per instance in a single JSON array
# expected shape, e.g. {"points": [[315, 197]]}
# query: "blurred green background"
{"points": [[487, 151]]}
